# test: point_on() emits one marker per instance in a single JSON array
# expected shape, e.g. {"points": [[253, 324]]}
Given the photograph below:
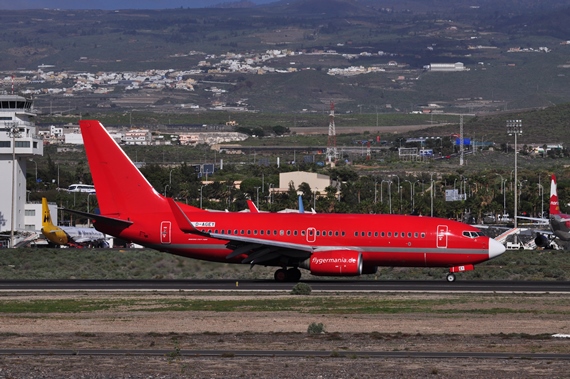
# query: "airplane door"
{"points": [[311, 234], [165, 232], [442, 236]]}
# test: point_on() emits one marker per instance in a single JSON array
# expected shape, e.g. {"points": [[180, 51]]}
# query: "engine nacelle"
{"points": [[542, 241], [334, 263]]}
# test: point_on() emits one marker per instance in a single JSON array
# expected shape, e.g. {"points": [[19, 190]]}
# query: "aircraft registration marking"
{"points": [[204, 224]]}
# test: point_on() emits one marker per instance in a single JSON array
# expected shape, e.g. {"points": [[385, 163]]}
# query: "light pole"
{"points": [[411, 194], [257, 198], [390, 194], [514, 127], [201, 187], [503, 182], [165, 189], [431, 193], [13, 132], [170, 177], [541, 191]]}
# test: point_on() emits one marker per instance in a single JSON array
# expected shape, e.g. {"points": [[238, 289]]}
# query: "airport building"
{"points": [[19, 142]]}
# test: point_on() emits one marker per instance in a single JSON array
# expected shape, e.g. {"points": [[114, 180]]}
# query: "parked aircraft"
{"points": [[324, 244], [558, 221], [69, 236]]}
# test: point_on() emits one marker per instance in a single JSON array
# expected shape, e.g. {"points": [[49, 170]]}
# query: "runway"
{"points": [[284, 353], [269, 285]]}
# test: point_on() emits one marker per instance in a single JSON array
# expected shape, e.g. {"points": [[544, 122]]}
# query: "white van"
{"points": [[81, 188]]}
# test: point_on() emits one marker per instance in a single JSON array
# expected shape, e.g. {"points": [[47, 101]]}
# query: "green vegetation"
{"points": [[322, 304], [35, 263], [301, 289], [316, 328]]}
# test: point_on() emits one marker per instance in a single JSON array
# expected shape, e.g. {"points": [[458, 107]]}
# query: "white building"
{"points": [[19, 140], [317, 182], [138, 137], [447, 67]]}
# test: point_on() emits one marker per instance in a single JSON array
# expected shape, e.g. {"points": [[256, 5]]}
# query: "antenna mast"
{"points": [[332, 153]]}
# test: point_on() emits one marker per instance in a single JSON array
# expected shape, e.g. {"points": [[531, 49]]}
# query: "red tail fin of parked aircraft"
{"points": [[554, 206], [324, 244], [559, 222]]}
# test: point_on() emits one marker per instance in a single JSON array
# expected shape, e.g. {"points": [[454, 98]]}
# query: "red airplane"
{"points": [[558, 221], [324, 244]]}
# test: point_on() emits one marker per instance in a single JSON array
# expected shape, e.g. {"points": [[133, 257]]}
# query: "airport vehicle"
{"points": [[324, 244], [69, 236], [86, 188], [558, 221]]}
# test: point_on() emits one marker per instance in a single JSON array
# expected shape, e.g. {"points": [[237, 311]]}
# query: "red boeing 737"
{"points": [[324, 244]]}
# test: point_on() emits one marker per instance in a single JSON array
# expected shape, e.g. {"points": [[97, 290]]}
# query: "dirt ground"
{"points": [[526, 327]]}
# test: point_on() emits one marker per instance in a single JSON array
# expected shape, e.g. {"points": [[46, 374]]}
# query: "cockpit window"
{"points": [[470, 234]]}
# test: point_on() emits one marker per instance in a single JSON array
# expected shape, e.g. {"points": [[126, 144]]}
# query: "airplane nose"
{"points": [[495, 248]]}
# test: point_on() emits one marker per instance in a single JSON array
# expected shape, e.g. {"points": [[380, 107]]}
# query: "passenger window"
{"points": [[375, 234], [389, 234], [303, 232], [423, 235], [362, 234], [343, 233], [409, 234], [330, 233], [416, 235], [294, 232], [369, 234], [288, 232], [248, 232], [356, 234], [261, 232], [395, 234], [318, 233], [383, 234], [235, 231], [255, 232], [336, 233]]}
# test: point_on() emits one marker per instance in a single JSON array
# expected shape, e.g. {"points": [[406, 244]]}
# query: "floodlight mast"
{"points": [[514, 127]]}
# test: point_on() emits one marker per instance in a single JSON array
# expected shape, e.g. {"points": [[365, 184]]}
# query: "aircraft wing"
{"points": [[257, 250], [541, 220]]}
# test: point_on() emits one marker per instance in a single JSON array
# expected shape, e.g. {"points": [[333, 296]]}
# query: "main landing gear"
{"points": [[450, 277], [287, 275]]}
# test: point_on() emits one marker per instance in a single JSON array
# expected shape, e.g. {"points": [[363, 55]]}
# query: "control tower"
{"points": [[18, 143]]}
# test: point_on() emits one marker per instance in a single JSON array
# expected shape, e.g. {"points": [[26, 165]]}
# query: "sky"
{"points": [[114, 4]]}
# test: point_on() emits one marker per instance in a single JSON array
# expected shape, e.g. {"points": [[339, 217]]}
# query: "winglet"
{"points": [[182, 220], [252, 207]]}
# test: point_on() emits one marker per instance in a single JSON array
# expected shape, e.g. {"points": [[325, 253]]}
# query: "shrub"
{"points": [[301, 289], [315, 328]]}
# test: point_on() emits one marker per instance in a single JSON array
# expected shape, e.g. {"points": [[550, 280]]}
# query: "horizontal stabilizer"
{"points": [[109, 221], [184, 223]]}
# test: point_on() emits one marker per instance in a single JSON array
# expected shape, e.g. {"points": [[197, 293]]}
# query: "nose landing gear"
{"points": [[452, 270]]}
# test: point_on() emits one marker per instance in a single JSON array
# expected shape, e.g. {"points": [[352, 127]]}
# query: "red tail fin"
{"points": [[120, 187], [554, 206]]}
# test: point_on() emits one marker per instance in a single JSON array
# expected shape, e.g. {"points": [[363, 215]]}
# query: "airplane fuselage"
{"points": [[383, 240]]}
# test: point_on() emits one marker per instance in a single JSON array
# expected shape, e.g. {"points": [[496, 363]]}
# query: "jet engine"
{"points": [[334, 263], [542, 241]]}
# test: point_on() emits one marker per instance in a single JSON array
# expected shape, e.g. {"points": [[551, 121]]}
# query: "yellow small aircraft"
{"points": [[68, 236]]}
